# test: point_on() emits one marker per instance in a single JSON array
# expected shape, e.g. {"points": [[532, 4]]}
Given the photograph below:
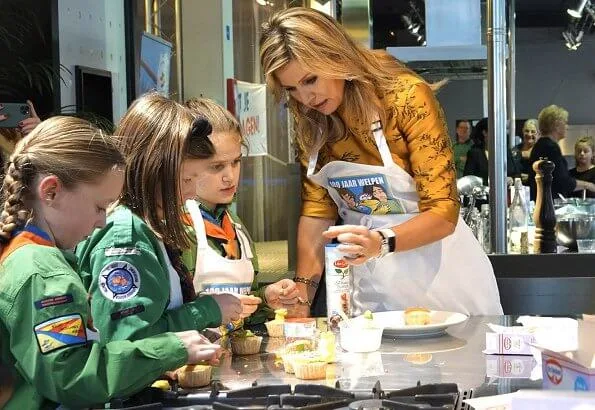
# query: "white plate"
{"points": [[394, 323]]}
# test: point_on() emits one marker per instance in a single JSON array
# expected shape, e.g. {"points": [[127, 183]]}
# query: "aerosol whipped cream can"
{"points": [[339, 284]]}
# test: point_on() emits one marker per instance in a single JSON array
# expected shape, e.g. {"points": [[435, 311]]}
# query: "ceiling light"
{"points": [[577, 12], [570, 41], [407, 22], [412, 27]]}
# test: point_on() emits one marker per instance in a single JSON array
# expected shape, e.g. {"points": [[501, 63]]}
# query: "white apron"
{"points": [[175, 288], [214, 273], [453, 274]]}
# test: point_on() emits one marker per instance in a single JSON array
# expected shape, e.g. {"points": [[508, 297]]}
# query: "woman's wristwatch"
{"points": [[389, 242]]}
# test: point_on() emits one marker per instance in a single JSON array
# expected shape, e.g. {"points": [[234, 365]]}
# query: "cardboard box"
{"points": [[509, 343], [574, 370], [509, 366]]}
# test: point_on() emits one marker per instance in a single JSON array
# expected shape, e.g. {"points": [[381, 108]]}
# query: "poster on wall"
{"points": [[155, 63], [247, 101]]}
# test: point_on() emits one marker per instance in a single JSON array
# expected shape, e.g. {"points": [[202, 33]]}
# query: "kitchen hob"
{"points": [[443, 396]]}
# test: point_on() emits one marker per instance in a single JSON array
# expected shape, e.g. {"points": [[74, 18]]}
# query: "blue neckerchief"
{"points": [[215, 216], [34, 230]]}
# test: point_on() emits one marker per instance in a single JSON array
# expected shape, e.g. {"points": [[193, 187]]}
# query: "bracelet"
{"points": [[306, 281], [304, 302]]}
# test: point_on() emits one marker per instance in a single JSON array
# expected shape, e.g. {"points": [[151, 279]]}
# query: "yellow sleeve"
{"points": [[430, 153], [316, 201]]}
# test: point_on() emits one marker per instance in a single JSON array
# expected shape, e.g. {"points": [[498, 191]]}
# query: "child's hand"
{"points": [[281, 294], [234, 307], [199, 348], [230, 307], [249, 304]]}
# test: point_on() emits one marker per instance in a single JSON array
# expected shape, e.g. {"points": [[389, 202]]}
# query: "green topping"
{"points": [[242, 333]]}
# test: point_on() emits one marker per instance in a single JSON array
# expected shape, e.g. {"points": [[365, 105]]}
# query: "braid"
{"points": [[14, 211]]}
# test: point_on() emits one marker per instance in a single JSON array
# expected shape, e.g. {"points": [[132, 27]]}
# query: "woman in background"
{"points": [[477, 157], [584, 170], [553, 124]]}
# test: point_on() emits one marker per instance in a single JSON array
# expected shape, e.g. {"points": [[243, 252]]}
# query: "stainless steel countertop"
{"points": [[455, 358]]}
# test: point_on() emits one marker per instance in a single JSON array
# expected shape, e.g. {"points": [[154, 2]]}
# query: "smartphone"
{"points": [[16, 112]]}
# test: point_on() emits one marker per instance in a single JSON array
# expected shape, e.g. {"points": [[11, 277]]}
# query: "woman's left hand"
{"points": [[283, 293], [356, 240]]}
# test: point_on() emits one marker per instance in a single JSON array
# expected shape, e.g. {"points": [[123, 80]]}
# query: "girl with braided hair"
{"points": [[133, 268], [59, 182]]}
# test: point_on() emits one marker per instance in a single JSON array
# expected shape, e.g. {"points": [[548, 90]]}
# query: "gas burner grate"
{"points": [[307, 397]]}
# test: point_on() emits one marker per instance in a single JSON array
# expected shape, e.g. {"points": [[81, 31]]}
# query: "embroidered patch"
{"points": [[53, 301], [121, 251], [119, 281], [60, 332], [121, 314]]}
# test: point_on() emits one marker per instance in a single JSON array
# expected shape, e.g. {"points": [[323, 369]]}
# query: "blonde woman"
{"points": [[363, 118], [522, 151], [59, 182], [584, 170], [553, 124]]}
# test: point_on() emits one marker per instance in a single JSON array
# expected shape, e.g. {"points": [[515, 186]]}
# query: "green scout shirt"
{"points": [[44, 314], [460, 154], [189, 257], [136, 306]]}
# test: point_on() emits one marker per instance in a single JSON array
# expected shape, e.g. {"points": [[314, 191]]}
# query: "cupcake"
{"points": [[299, 346], [288, 362], [244, 342], [309, 368], [417, 316], [274, 328], [190, 376]]}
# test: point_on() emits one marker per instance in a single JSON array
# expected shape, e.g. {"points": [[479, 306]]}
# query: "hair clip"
{"points": [[201, 127]]}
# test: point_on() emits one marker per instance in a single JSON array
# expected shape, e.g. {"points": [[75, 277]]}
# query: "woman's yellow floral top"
{"points": [[418, 139]]}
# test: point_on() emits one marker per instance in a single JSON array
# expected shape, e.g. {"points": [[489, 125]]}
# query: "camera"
{"points": [[24, 110]]}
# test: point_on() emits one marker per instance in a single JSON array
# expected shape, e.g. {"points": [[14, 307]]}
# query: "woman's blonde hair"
{"points": [[70, 148], [322, 46], [585, 140], [551, 117], [157, 134], [531, 121]]}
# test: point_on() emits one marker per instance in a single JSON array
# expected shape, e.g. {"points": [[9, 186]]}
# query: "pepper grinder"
{"points": [[544, 215]]}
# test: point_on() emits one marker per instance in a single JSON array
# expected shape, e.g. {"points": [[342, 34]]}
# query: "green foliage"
{"points": [[23, 70]]}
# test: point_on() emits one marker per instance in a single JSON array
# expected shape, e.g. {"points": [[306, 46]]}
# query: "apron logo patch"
{"points": [[60, 332], [121, 251], [53, 301], [119, 281], [121, 314], [367, 194]]}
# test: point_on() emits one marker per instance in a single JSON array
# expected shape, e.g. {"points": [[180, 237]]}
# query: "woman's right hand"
{"points": [[199, 348], [234, 307]]}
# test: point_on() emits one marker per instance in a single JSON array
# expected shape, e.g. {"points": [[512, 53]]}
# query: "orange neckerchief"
{"points": [[23, 238], [227, 233]]}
